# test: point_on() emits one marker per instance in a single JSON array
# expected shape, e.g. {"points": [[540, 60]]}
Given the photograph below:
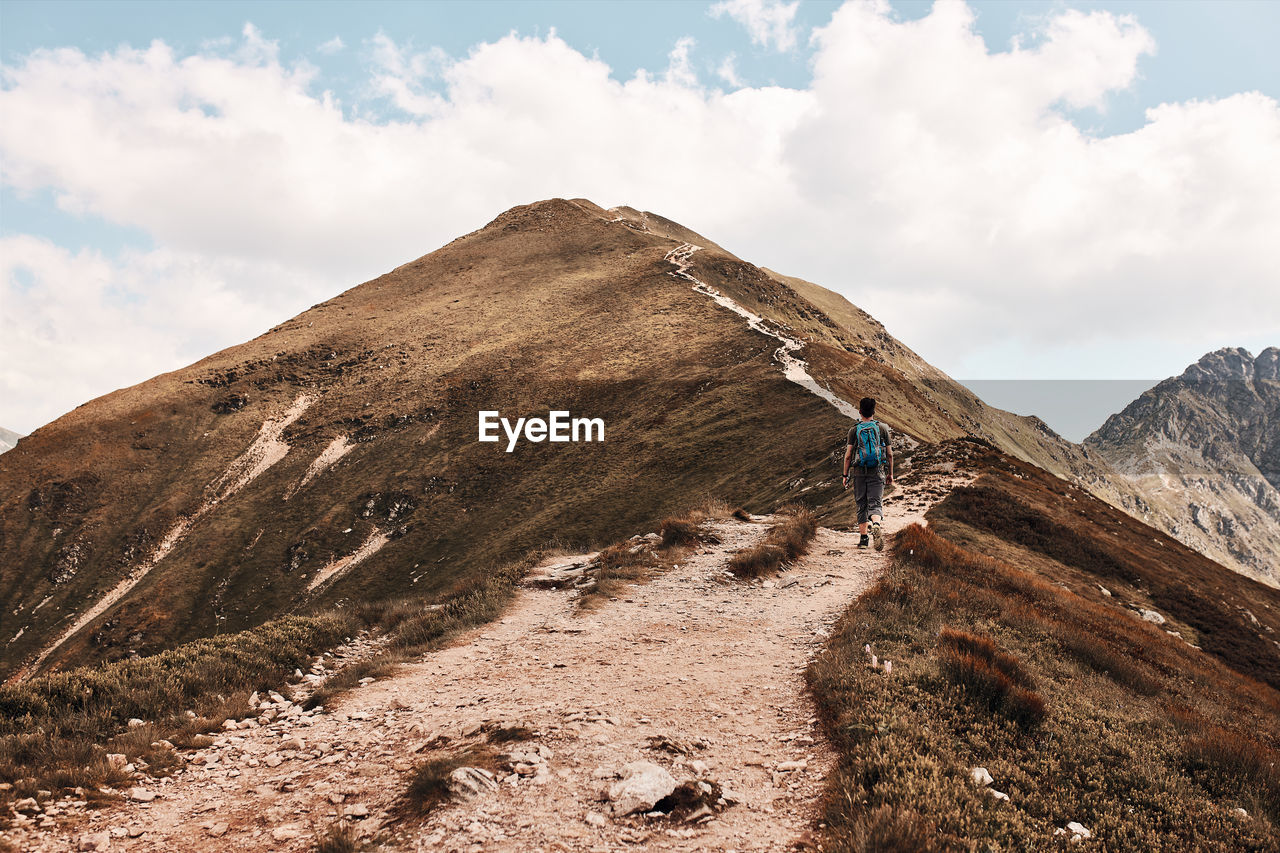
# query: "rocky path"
{"points": [[710, 664]]}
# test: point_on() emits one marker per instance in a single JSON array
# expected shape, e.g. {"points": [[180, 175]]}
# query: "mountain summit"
{"points": [[336, 457], [1204, 448]]}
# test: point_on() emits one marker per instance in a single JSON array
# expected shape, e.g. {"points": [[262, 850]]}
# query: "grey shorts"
{"points": [[868, 491]]}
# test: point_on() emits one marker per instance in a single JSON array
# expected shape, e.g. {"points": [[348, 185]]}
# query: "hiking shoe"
{"points": [[877, 535], [862, 542]]}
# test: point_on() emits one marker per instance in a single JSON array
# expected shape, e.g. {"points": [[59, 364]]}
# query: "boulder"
{"points": [[980, 777], [116, 760], [642, 785]]}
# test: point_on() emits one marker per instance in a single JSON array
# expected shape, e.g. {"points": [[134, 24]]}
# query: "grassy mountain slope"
{"points": [[1008, 655], [550, 306]]}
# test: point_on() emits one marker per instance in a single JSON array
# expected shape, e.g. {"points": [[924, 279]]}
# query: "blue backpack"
{"points": [[870, 452]]}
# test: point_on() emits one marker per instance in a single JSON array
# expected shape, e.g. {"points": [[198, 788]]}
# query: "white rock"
{"points": [[141, 795], [360, 810], [136, 723], [288, 832], [116, 761], [789, 766], [595, 819], [1239, 812], [999, 795], [980, 777], [92, 842], [1102, 589], [1078, 829], [643, 783], [1153, 617], [470, 782]]}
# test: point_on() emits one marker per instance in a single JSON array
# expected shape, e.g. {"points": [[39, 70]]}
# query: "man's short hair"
{"points": [[867, 407]]}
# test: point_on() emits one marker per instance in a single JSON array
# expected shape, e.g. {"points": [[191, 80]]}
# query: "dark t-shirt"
{"points": [[853, 436]]}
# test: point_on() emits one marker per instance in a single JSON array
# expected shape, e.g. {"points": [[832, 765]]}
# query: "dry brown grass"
{"points": [[56, 730], [784, 542], [990, 675], [339, 837], [623, 564], [1108, 755]]}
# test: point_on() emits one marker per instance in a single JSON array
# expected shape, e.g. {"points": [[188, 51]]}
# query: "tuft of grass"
{"points": [[679, 531], [510, 734], [339, 837], [428, 782], [990, 675], [784, 542], [889, 829]]}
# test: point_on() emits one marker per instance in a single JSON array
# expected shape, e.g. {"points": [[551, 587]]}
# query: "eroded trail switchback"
{"points": [[691, 655]]}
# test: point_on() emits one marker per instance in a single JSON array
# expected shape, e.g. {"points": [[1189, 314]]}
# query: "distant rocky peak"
{"points": [[1267, 365], [1226, 364]]}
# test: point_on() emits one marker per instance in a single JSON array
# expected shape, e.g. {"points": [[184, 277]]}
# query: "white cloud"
{"points": [[332, 46], [937, 185], [728, 71], [769, 22], [679, 66], [78, 324]]}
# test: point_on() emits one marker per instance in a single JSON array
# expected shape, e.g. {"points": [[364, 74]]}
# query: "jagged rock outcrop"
{"points": [[1204, 449]]}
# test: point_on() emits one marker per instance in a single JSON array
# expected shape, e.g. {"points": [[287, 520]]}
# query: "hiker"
{"points": [[868, 453]]}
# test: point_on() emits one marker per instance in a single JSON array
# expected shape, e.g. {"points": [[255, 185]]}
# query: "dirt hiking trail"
{"points": [[712, 664]]}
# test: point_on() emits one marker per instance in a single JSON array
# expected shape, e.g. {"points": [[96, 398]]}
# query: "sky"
{"points": [[1019, 190]]}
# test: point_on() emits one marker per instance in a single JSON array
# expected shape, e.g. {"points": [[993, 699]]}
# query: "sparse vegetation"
{"points": [[630, 562], [965, 632], [784, 542], [509, 734], [56, 730], [428, 782], [339, 837]]}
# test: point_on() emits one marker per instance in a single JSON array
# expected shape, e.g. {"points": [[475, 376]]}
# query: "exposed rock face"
{"points": [[1204, 448], [8, 438]]}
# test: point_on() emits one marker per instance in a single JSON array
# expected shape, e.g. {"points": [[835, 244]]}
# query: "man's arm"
{"points": [[848, 457], [888, 447]]}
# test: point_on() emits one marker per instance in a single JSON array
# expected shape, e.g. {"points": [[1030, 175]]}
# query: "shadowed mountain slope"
{"points": [[1204, 449]]}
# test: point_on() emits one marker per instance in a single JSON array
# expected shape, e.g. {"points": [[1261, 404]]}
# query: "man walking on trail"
{"points": [[867, 455]]}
